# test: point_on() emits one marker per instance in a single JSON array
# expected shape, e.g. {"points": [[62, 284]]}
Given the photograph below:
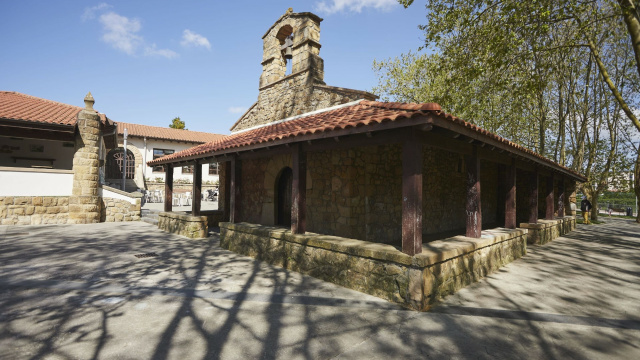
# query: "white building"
{"points": [[145, 143]]}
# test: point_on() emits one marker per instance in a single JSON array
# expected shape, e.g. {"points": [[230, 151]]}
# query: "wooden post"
{"points": [[533, 197], [473, 205], [549, 199], [168, 188], [234, 211], [412, 196], [510, 198], [299, 191], [197, 189], [227, 191], [561, 197]]}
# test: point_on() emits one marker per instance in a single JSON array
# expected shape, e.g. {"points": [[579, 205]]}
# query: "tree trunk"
{"points": [[594, 204], [636, 182], [630, 16]]}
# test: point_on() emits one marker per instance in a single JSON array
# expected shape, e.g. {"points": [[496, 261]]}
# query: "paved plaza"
{"points": [[79, 292]]}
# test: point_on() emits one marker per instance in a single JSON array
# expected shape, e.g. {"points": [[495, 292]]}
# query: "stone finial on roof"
{"points": [[289, 11], [88, 101]]}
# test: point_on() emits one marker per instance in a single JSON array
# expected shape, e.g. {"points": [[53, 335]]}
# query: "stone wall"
{"points": [[292, 96], [117, 210], [253, 191], [357, 193], [381, 270], [34, 210], [194, 227], [548, 230]]}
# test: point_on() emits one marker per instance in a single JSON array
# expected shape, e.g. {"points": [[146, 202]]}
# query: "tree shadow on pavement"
{"points": [[78, 291]]}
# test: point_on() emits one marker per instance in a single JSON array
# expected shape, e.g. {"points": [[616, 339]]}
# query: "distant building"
{"points": [[145, 143], [61, 163]]}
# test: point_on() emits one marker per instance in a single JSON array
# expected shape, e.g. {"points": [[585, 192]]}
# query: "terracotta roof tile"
{"points": [[363, 113], [166, 133], [18, 106]]}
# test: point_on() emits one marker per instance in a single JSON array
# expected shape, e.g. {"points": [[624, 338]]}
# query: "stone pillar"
{"points": [[473, 205], [412, 196], [84, 203]]}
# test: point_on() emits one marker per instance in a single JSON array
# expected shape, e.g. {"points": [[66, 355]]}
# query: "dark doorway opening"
{"points": [[283, 197]]}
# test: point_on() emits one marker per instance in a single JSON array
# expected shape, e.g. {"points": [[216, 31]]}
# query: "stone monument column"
{"points": [[84, 203]]}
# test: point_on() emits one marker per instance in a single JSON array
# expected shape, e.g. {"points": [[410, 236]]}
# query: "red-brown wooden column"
{"points": [[234, 209], [227, 191], [197, 189], [168, 188], [473, 205], [533, 197], [510, 197], [412, 196], [561, 197], [549, 199], [299, 191]]}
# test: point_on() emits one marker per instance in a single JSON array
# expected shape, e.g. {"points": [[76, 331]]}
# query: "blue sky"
{"points": [[148, 62]]}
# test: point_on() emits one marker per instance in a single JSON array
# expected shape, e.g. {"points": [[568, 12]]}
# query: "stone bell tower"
{"points": [[295, 38], [305, 48]]}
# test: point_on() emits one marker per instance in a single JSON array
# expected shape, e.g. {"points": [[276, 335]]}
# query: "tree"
{"points": [[176, 123], [536, 39]]}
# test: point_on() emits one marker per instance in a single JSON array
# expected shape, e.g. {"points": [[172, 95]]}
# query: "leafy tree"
{"points": [[561, 65], [176, 123]]}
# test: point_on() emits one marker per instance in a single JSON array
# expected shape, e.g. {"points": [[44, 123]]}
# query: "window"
{"points": [[187, 169], [115, 161], [158, 153], [213, 169]]}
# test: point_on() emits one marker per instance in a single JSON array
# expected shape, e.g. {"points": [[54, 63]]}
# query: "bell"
{"points": [[288, 54]]}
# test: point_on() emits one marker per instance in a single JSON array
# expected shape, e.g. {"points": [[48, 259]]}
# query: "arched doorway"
{"points": [[283, 197], [115, 160]]}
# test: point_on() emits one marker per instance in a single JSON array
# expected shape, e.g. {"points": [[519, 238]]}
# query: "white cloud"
{"points": [[189, 38], [354, 5], [121, 32], [154, 51], [237, 109], [90, 12]]}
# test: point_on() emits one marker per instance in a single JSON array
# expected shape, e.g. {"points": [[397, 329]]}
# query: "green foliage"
{"points": [[556, 76], [176, 123]]}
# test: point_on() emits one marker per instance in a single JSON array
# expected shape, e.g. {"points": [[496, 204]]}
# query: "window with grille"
{"points": [[115, 162]]}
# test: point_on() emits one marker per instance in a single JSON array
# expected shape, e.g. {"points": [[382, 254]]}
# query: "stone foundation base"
{"points": [[547, 230], [417, 282], [214, 217], [34, 210], [194, 227]]}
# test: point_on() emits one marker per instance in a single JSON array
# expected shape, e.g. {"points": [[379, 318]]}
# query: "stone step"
{"points": [[149, 220]]}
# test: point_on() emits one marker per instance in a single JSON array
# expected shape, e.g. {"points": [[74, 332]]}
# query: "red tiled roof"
{"points": [[18, 106], [363, 114], [167, 133]]}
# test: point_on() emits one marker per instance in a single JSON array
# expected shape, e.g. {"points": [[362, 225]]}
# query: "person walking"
{"points": [[585, 207]]}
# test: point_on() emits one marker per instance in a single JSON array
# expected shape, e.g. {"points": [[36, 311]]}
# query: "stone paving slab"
{"points": [[78, 292]]}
